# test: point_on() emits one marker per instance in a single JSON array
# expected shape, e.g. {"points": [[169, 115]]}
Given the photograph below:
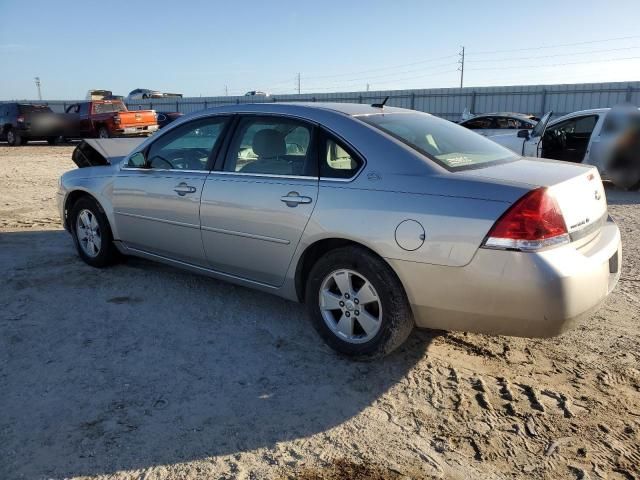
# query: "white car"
{"points": [[606, 138], [489, 124]]}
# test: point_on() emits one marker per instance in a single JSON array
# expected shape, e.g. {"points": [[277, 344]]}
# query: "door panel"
{"points": [[248, 230], [157, 207], [152, 216]]}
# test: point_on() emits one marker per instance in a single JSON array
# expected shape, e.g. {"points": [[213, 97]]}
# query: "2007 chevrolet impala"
{"points": [[378, 218]]}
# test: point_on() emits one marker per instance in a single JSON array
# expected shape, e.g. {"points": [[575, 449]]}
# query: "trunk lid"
{"points": [[137, 118], [578, 189]]}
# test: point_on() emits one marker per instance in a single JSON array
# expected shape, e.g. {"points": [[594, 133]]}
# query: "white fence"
{"points": [[448, 103]]}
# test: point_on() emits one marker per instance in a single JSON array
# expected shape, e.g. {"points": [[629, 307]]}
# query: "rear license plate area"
{"points": [[613, 263]]}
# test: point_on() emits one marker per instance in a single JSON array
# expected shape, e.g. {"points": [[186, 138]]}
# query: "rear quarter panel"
{"points": [[454, 227]]}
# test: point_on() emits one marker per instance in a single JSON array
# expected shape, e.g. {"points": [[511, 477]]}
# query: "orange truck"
{"points": [[108, 118]]}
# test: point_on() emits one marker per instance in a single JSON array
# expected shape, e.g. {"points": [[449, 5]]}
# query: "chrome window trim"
{"points": [[266, 175], [205, 172]]}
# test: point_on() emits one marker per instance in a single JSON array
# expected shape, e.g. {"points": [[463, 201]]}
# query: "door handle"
{"points": [[182, 189], [293, 199]]}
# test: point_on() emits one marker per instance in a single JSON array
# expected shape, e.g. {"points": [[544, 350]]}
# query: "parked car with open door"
{"points": [[489, 124], [606, 138]]}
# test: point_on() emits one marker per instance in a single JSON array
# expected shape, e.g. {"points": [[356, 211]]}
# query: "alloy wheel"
{"points": [[350, 306], [88, 233]]}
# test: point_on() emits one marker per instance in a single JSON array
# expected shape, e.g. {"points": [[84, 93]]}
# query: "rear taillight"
{"points": [[116, 119], [532, 223], [20, 119]]}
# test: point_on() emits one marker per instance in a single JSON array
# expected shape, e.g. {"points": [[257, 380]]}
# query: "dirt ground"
{"points": [[141, 371]]}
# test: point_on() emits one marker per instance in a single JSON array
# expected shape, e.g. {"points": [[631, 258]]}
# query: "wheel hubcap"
{"points": [[350, 306], [10, 137], [88, 233]]}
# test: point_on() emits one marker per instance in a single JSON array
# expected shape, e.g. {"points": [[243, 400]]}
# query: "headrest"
{"points": [[269, 143]]}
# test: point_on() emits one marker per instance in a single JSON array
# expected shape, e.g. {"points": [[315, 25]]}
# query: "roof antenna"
{"points": [[381, 104]]}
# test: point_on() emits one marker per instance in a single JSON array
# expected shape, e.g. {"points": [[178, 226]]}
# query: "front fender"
{"points": [[100, 187]]}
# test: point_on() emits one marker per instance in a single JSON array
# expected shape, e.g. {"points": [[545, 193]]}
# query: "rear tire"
{"points": [[92, 233], [103, 132], [372, 316]]}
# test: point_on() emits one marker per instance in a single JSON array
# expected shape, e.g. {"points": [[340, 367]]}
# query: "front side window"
{"points": [[451, 146], [481, 123], [187, 147], [573, 126], [524, 125], [273, 146]]}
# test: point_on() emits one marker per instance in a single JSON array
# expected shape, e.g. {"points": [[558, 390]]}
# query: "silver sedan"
{"points": [[378, 218]]}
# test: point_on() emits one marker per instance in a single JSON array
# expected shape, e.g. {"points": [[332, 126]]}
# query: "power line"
{"points": [[398, 80], [557, 64], [590, 52], [433, 59], [556, 45]]}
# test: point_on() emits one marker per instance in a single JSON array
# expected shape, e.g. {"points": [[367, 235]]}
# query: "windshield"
{"points": [[450, 145]]}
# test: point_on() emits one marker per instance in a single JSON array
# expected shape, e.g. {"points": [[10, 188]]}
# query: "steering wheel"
{"points": [[189, 158], [160, 159]]}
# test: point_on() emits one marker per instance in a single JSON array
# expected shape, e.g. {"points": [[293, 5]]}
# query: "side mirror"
{"points": [[137, 160], [523, 134]]}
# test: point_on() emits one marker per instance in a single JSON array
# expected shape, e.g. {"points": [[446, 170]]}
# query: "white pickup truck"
{"points": [[607, 138]]}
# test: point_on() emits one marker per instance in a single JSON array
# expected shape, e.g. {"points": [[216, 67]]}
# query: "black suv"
{"points": [[21, 122]]}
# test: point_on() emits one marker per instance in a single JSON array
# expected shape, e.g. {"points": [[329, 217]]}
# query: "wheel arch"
{"points": [[315, 251], [72, 198]]}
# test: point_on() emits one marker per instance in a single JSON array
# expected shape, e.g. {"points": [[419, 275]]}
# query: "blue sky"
{"points": [[198, 47]]}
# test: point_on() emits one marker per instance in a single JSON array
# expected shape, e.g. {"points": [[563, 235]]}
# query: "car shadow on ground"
{"points": [[141, 365]]}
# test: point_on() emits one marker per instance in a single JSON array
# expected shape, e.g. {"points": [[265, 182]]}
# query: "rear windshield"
{"points": [[108, 107], [33, 108], [450, 145]]}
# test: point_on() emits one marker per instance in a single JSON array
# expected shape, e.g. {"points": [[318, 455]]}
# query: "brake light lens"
{"points": [[116, 119], [532, 223]]}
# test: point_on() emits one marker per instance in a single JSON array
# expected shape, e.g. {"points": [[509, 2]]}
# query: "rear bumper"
{"points": [[538, 294], [138, 130]]}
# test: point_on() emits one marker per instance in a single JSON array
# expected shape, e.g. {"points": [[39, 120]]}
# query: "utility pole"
{"points": [[37, 79], [226, 90], [461, 67], [298, 83], [367, 87]]}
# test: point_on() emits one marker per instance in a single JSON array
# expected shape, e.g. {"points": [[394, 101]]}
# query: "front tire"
{"points": [[13, 138], [92, 233], [357, 303]]}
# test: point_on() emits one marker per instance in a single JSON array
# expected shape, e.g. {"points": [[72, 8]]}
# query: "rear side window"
{"points": [[506, 123], [337, 161], [272, 146]]}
